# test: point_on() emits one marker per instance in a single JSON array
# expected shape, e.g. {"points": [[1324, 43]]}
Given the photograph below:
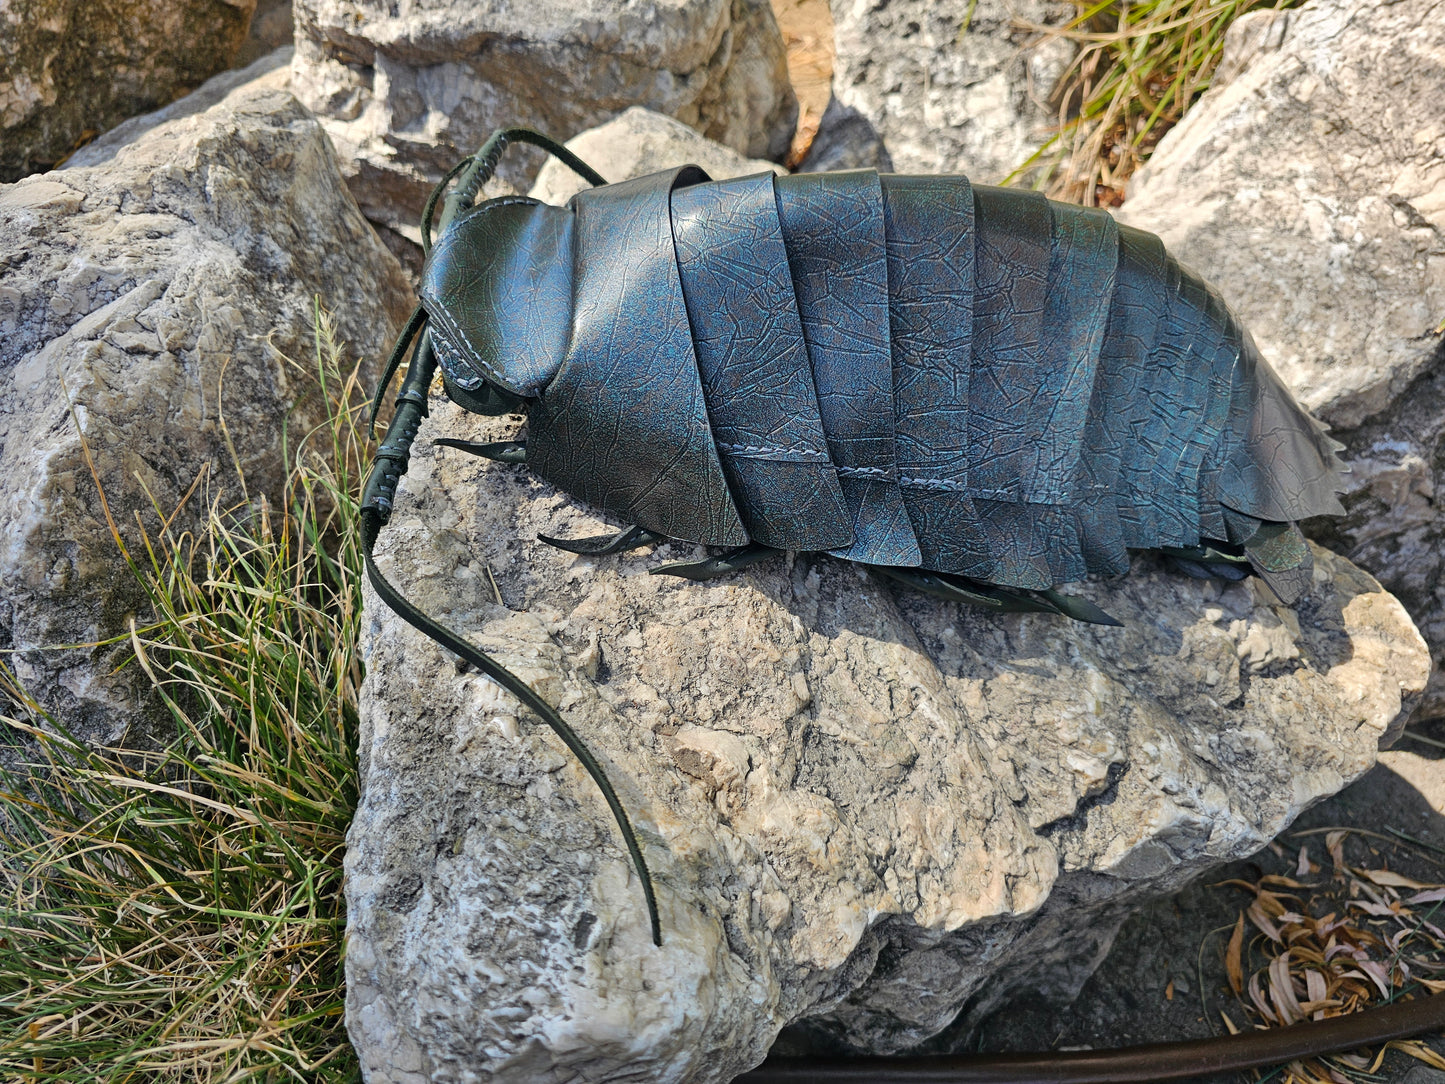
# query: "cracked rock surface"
{"points": [[406, 90], [149, 297], [864, 809], [952, 86], [1309, 186]]}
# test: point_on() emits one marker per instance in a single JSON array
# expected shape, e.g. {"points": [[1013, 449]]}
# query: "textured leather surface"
{"points": [[1011, 285], [623, 424], [1280, 459], [754, 364], [498, 291], [836, 250], [903, 370], [929, 230]]}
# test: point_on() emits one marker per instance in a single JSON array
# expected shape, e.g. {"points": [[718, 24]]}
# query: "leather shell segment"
{"points": [[623, 424], [838, 256]]}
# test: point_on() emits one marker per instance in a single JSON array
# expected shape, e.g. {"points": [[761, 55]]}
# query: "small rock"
{"points": [[845, 140], [188, 247], [638, 142], [951, 87], [405, 96], [69, 70]]}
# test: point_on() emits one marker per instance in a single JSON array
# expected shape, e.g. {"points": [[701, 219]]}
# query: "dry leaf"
{"points": [[1261, 1006], [1232, 958], [1281, 990], [1283, 882], [1391, 879], [1384, 909], [1335, 844], [1262, 921], [1302, 867], [1169, 991], [1417, 1050]]}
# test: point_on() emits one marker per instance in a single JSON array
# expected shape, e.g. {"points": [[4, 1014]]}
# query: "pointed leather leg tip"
{"points": [[683, 570], [583, 547], [630, 538]]}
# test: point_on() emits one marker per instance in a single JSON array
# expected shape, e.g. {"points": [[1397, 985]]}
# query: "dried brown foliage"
{"points": [[1337, 943]]}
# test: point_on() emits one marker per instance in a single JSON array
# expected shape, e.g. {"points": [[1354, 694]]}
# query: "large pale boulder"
{"points": [[407, 90], [957, 86], [72, 68], [150, 298], [1310, 187], [863, 808]]}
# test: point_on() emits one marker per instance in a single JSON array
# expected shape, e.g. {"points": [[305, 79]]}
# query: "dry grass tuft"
{"points": [[1139, 66], [177, 915], [1336, 944]]}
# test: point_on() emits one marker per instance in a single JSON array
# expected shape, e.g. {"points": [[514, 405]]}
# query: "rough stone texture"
{"points": [[1394, 522], [637, 142], [407, 90], [72, 67], [862, 806], [188, 247], [1310, 188], [944, 98], [845, 140]]}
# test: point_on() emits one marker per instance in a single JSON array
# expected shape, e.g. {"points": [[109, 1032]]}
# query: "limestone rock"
{"points": [[147, 295], [407, 91], [1310, 187], [1394, 523], [271, 29], [959, 86], [1311, 190], [863, 808], [638, 142], [71, 68]]}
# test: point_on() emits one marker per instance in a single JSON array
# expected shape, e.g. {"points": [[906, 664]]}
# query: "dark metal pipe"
{"points": [[1156, 1061]]}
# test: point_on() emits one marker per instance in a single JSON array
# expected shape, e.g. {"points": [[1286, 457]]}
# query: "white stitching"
{"points": [[933, 483], [753, 449]]}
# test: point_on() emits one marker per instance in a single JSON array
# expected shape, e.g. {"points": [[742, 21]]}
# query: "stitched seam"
{"points": [[863, 472], [754, 449], [934, 483]]}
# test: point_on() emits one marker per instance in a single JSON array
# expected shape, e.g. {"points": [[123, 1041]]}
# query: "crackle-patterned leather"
{"points": [[908, 371]]}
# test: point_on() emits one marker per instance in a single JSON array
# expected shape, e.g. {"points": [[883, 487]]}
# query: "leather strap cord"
{"points": [[523, 692], [391, 462], [1157, 1061]]}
